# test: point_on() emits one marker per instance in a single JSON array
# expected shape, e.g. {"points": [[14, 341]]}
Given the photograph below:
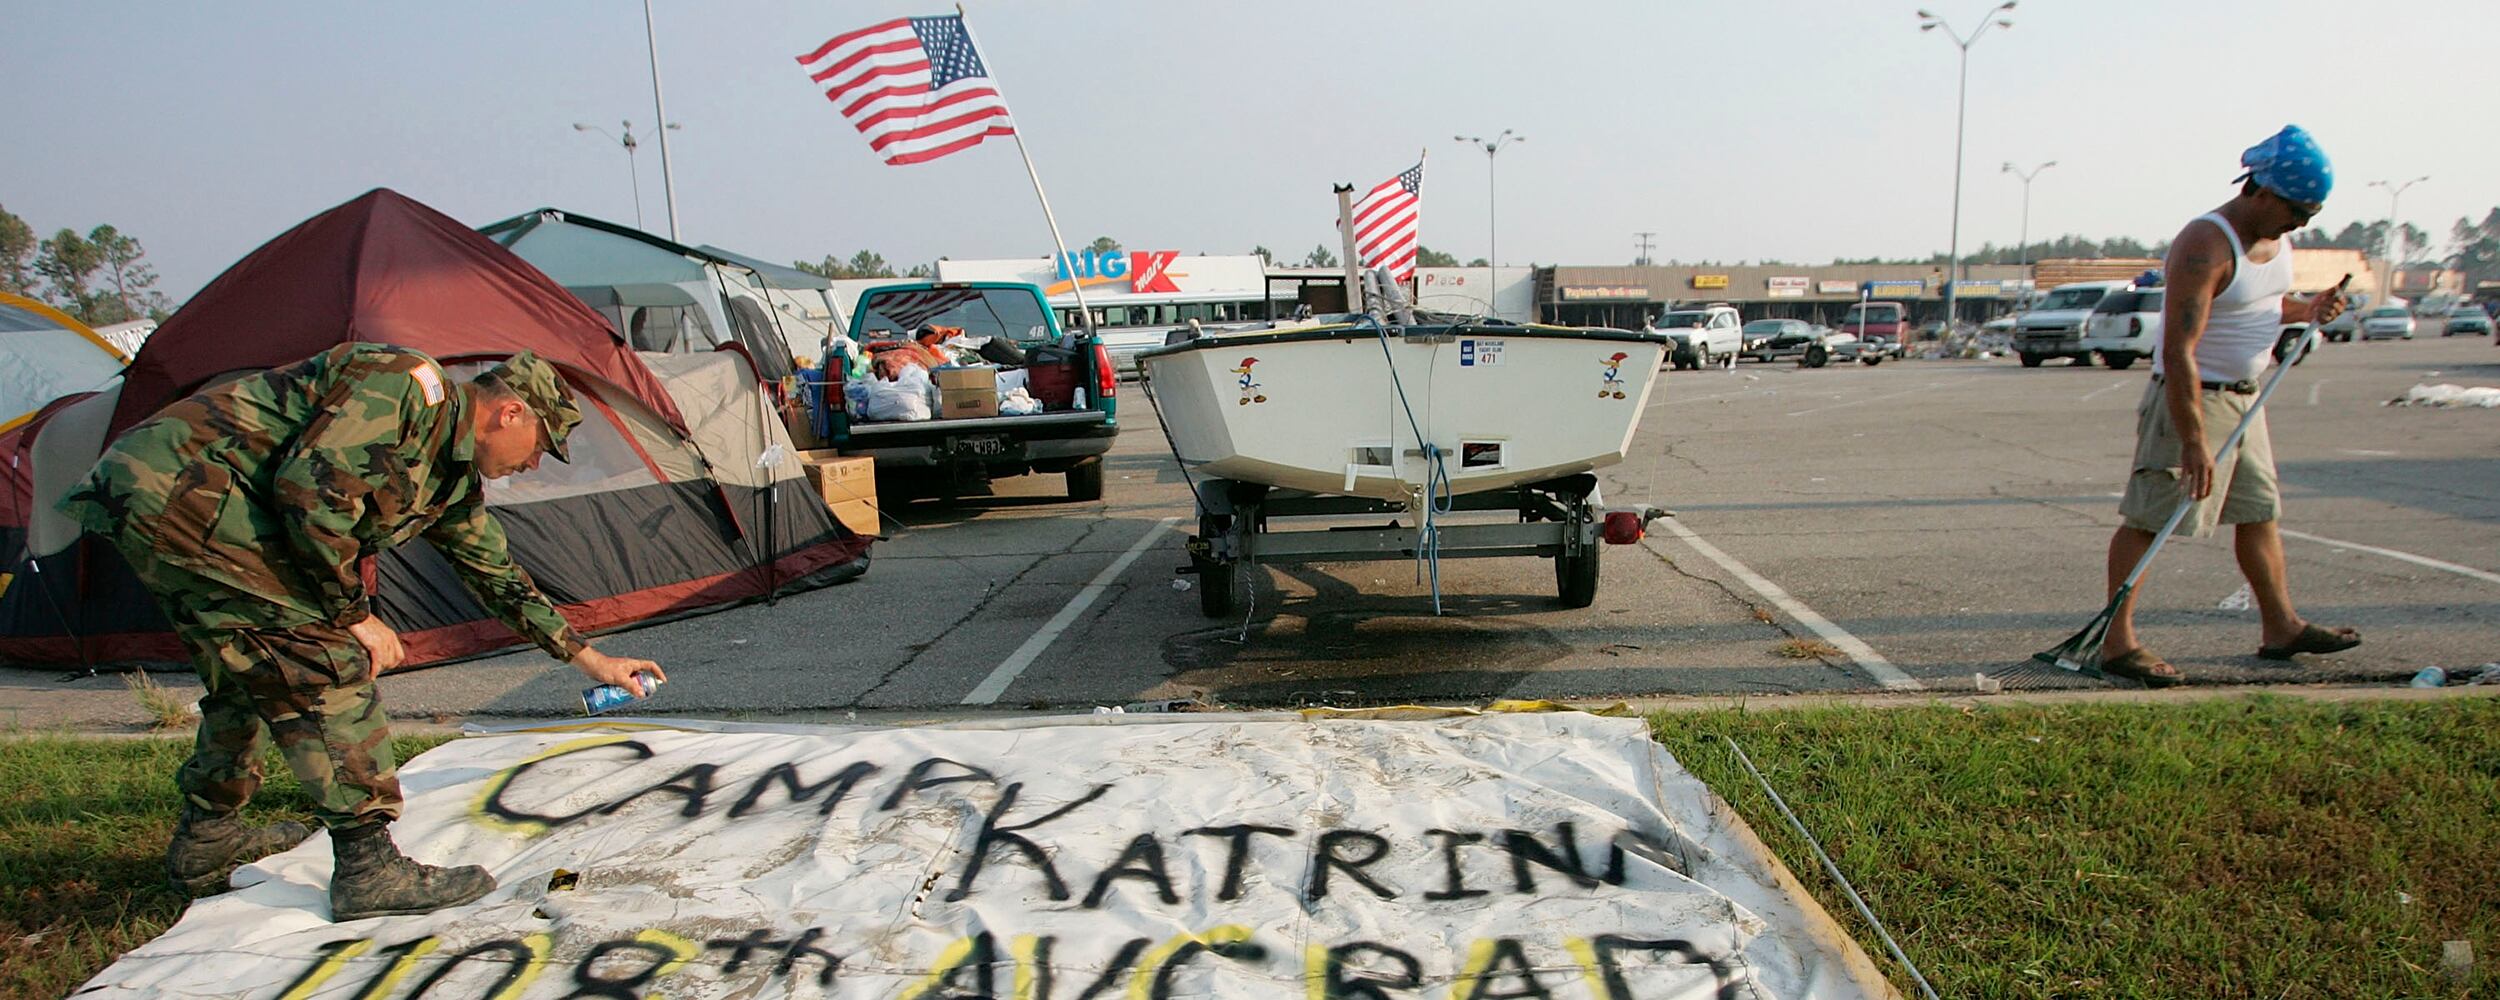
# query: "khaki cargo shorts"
{"points": [[2245, 491]]}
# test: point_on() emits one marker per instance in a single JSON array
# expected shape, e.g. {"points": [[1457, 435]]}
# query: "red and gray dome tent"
{"points": [[684, 494]]}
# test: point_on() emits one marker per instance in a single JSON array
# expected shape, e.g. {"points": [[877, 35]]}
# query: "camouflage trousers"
{"points": [[310, 688]]}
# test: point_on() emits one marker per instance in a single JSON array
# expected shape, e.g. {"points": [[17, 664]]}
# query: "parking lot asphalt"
{"points": [[1846, 529]]}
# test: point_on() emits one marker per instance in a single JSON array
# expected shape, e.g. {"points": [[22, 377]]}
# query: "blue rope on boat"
{"points": [[1438, 498]]}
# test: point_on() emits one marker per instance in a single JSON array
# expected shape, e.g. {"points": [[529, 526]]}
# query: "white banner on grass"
{"points": [[1560, 857]]}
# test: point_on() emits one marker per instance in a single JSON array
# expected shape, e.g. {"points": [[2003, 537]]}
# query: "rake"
{"points": [[2080, 654]]}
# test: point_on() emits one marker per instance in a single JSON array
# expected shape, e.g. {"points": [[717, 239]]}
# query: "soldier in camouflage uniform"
{"points": [[248, 510]]}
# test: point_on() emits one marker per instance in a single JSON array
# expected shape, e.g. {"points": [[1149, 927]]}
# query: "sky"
{"points": [[1795, 130]]}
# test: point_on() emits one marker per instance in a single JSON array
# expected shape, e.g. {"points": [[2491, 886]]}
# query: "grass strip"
{"points": [[2265, 846]]}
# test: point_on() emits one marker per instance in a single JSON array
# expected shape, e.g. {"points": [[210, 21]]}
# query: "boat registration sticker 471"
{"points": [[1472, 353], [1613, 385]]}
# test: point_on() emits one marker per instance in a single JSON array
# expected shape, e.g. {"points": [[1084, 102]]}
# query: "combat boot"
{"points": [[372, 879], [208, 847]]}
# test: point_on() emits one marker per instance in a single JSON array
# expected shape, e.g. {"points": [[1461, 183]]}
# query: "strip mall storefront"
{"points": [[1631, 296]]}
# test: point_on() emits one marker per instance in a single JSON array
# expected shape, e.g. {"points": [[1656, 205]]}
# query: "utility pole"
{"points": [[1645, 244], [2394, 191]]}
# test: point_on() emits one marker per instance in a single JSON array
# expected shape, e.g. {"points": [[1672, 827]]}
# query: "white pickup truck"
{"points": [[1704, 336]]}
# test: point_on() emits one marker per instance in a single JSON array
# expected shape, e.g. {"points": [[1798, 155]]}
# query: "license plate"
{"points": [[985, 445]]}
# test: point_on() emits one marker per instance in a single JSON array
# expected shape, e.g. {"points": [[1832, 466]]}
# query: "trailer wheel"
{"points": [[1085, 480], [1575, 577], [1816, 356], [1222, 584]]}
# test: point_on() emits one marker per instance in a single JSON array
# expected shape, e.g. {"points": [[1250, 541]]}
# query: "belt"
{"points": [[2244, 387]]}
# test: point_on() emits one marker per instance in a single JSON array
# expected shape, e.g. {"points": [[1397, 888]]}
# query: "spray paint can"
{"points": [[606, 696]]}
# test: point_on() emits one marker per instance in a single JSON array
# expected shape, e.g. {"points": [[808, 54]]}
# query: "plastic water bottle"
{"points": [[2430, 677], [606, 696]]}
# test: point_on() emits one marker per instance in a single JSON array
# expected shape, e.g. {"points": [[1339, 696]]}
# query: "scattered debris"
{"points": [[2456, 959], [2449, 395], [1985, 684], [2488, 673], [2430, 677], [1180, 583], [2240, 600], [1806, 649]]}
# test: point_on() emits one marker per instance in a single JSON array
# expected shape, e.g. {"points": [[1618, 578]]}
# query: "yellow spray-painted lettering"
{"points": [[494, 786], [680, 950], [408, 955], [325, 971], [947, 962], [1027, 950], [1584, 955], [1315, 972], [1141, 979], [1479, 958], [538, 945]]}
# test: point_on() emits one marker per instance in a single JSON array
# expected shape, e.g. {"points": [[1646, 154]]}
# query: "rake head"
{"points": [[2078, 656]]}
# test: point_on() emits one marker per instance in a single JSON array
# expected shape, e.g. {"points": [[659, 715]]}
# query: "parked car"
{"points": [[2466, 317], [1704, 336], [1772, 339], [2345, 324], [2054, 328], [2126, 326], [2292, 338], [2387, 323]]}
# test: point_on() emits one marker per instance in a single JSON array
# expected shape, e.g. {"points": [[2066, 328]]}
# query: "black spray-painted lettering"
{"points": [[1142, 860], [982, 959], [1325, 858], [1346, 981], [744, 949], [787, 775], [1238, 854], [1730, 975], [920, 781], [1105, 981], [1508, 961], [1525, 849], [805, 947], [496, 807], [693, 784], [1451, 841], [589, 980], [1239, 951], [993, 835], [514, 956]]}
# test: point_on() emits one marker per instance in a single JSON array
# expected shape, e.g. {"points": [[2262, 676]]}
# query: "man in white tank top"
{"points": [[2229, 274]]}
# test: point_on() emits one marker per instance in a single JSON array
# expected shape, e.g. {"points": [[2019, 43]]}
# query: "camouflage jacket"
{"points": [[278, 484]]}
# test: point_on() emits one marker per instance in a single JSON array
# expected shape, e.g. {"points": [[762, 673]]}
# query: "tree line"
{"points": [[102, 277]]}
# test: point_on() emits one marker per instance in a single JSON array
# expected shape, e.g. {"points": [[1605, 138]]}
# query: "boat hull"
{"points": [[1345, 410]]}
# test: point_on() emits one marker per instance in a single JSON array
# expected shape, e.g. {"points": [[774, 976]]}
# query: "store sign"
{"points": [[1896, 288], [1589, 293], [1836, 286], [1969, 289], [1434, 279], [1786, 288], [1144, 270], [1710, 281]]}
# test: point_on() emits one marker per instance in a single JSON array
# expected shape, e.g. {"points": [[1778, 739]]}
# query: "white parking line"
{"points": [[2465, 571], [1866, 657], [1876, 399], [2314, 387], [1005, 673], [2087, 397]]}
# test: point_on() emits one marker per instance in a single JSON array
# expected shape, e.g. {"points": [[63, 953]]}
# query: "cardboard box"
{"points": [[967, 392], [848, 486]]}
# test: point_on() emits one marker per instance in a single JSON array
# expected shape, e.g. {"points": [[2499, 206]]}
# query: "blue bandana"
{"points": [[2289, 163]]}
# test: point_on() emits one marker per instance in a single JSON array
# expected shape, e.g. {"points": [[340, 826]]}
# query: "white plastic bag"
{"points": [[1011, 380], [908, 397], [1018, 403]]}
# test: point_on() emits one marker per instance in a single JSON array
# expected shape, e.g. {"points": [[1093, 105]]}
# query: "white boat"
{"points": [[1403, 413]]}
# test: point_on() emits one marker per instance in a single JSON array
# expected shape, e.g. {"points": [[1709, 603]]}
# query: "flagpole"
{"points": [[659, 124], [1058, 243]]}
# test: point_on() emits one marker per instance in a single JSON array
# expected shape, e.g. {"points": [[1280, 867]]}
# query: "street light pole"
{"points": [[627, 141], [1961, 98], [2024, 248], [659, 112], [2394, 191], [1493, 250]]}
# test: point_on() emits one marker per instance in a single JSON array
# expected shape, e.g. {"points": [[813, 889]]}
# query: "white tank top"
{"points": [[2246, 319]]}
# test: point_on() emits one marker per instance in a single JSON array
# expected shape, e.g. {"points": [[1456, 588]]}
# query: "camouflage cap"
{"points": [[537, 383]]}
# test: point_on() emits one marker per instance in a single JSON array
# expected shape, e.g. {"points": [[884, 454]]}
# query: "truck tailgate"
{"points": [[866, 433]]}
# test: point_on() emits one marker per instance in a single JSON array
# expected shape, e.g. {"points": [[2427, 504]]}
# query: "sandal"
{"points": [[2313, 639], [2141, 666]]}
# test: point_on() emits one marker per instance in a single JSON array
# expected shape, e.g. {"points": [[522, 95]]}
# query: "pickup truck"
{"points": [[2055, 327], [1067, 371], [1874, 331]]}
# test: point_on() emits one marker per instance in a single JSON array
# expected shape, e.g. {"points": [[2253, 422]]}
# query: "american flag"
{"points": [[913, 86], [1385, 223]]}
